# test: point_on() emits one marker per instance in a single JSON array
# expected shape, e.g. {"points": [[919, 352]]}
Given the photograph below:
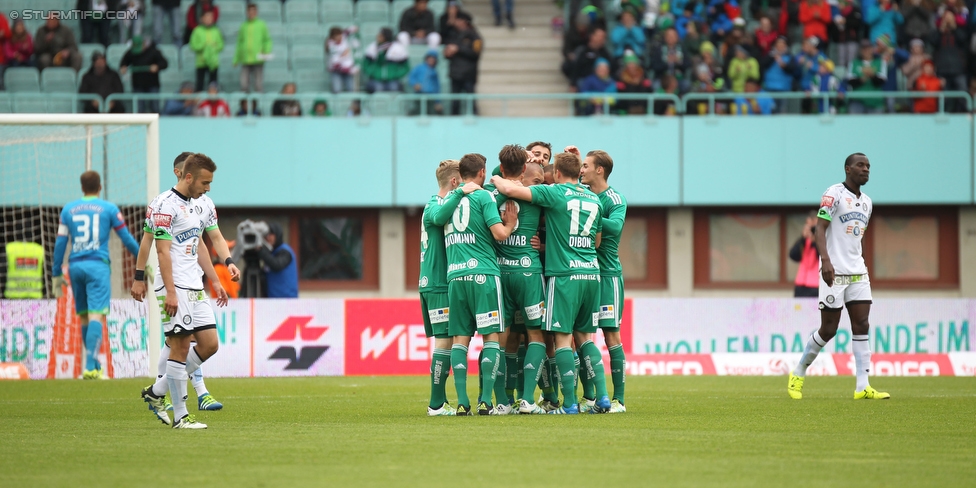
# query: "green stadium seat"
{"points": [[307, 33], [6, 104], [274, 79], [86, 51], [269, 11], [22, 80], [368, 32], [32, 105], [301, 11], [308, 57], [438, 7], [336, 13], [279, 59], [229, 31], [57, 79], [396, 11], [381, 104], [171, 79], [278, 30], [233, 12], [372, 11], [313, 80], [113, 55], [171, 54]]}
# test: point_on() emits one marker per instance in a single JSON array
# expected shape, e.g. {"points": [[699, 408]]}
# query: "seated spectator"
{"points": [[576, 36], [19, 48], [356, 109], [692, 41], [711, 58], [765, 36], [182, 106], [213, 105], [194, 16], [586, 56], [918, 18], [826, 82], [847, 29], [758, 105], [242, 111], [418, 23], [867, 74], [927, 82], [95, 28], [320, 108], [633, 80], [917, 56], [742, 68], [423, 79], [102, 81], [950, 55], [780, 70], [815, 17], [883, 18], [720, 22], [688, 19], [54, 45], [705, 83], [288, 107], [385, 62], [599, 81], [808, 61], [663, 106], [207, 42], [132, 23], [627, 35], [342, 64], [669, 58], [146, 62]]}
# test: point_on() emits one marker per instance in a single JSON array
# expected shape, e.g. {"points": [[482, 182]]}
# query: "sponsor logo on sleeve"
{"points": [[162, 220], [827, 201]]}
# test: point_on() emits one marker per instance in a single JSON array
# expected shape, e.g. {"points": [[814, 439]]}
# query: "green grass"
{"points": [[679, 431]]}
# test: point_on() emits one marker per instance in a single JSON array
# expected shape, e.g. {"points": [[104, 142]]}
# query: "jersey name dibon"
{"points": [[174, 217], [468, 239], [848, 215], [573, 219]]}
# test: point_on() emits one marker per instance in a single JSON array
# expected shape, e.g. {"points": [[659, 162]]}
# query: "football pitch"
{"points": [[366, 431]]}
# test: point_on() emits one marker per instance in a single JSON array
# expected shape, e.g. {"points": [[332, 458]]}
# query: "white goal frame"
{"points": [[151, 124]]}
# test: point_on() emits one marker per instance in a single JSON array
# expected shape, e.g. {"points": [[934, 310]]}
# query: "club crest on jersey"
{"points": [[480, 279], [472, 263], [423, 281], [439, 315]]}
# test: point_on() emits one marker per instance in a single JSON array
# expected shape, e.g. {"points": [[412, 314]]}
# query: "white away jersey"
{"points": [[174, 217], [848, 215]]}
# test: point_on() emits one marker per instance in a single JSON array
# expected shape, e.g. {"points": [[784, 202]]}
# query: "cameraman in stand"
{"points": [[280, 266]]}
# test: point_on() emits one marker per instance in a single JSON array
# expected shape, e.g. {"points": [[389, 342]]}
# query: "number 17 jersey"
{"points": [[573, 219]]}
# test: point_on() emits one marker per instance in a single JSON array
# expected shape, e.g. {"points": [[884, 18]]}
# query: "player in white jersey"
{"points": [[842, 219], [178, 218], [205, 401]]}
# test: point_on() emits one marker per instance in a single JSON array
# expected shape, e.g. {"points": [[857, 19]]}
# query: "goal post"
{"points": [[41, 159]]}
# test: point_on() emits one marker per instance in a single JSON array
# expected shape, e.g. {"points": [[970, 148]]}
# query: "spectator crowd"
{"points": [[770, 47]]}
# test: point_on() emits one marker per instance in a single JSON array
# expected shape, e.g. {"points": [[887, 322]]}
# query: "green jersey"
{"points": [[515, 254], [573, 219], [614, 211], [433, 257], [468, 239]]}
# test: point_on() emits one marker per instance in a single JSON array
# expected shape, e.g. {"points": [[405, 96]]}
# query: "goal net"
{"points": [[42, 158]]}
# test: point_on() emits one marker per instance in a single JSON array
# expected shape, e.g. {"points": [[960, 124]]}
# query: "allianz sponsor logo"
{"points": [[470, 264], [849, 216], [575, 263], [187, 234], [584, 277]]}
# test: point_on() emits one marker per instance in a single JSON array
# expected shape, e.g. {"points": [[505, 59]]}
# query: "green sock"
{"points": [[585, 380], [511, 375], [594, 370], [553, 394], [500, 381], [481, 371], [520, 371], [459, 361], [567, 375], [617, 362], [535, 358], [490, 358], [440, 367]]}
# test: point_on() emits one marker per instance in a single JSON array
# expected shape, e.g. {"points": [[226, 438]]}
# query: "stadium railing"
{"points": [[826, 98], [21, 102]]}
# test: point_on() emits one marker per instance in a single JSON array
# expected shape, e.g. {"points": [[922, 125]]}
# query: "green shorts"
{"points": [[434, 307], [611, 302], [572, 304], [475, 302], [524, 300]]}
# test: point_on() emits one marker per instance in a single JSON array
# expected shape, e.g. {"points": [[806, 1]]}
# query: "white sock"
{"points": [[197, 380], [163, 358], [810, 353], [193, 361], [862, 360], [176, 377]]}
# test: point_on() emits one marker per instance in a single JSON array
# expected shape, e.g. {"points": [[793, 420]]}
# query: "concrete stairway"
{"points": [[523, 60]]}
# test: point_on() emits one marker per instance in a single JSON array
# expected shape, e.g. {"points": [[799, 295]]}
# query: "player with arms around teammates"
{"points": [[573, 224], [88, 223], [843, 218], [205, 401], [595, 173], [178, 218], [433, 280], [474, 287]]}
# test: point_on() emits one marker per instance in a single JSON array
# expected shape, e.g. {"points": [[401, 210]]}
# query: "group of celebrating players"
{"points": [[530, 265], [529, 261]]}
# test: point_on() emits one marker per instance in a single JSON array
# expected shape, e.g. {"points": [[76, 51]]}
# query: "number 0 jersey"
{"points": [[469, 242], [174, 217], [516, 254], [848, 215], [573, 219]]}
